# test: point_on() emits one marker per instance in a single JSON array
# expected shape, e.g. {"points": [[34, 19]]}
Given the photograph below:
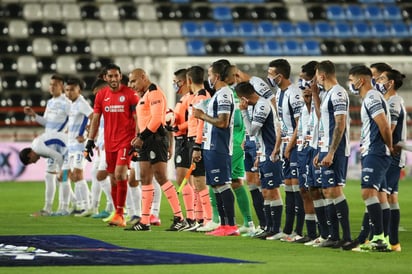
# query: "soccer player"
{"points": [[182, 157], [117, 104], [289, 104], [153, 145], [54, 119], [217, 148], [388, 83], [333, 153], [80, 113], [377, 69], [375, 148], [262, 125], [203, 208]]}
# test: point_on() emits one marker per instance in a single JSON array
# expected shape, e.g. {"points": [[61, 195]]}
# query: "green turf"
{"points": [[18, 200]]}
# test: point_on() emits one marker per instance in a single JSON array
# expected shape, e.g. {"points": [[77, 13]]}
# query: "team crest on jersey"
{"points": [[339, 94], [152, 155], [122, 99]]}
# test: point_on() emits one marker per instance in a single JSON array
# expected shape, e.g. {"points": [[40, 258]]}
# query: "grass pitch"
{"points": [[18, 200]]}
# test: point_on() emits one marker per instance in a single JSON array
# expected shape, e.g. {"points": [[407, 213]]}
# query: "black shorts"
{"points": [[154, 149], [182, 158], [200, 167]]}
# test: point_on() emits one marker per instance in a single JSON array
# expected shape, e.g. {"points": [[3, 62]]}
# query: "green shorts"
{"points": [[238, 163]]}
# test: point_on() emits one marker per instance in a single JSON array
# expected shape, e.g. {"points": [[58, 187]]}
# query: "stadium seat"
{"points": [[380, 29], [89, 11], [299, 11], [266, 29], [304, 29], [272, 48], [278, 13], [241, 13], [190, 29], [76, 29], [171, 29], [85, 64], [184, 12], [209, 29], [373, 13], [406, 47], [61, 47], [233, 47], [176, 47], [95, 29], [258, 13], [222, 13], [46, 64], [138, 47], [4, 28], [165, 12], [157, 47], [195, 47], [22, 46], [247, 29], [101, 62], [133, 29], [114, 29], [42, 47], [8, 64], [18, 29], [80, 47], [202, 13], [361, 30], [109, 12], [311, 47], [386, 47], [119, 47], [228, 29], [36, 28], [66, 65], [146, 12], [323, 29], [52, 11], [347, 48], [391, 13], [291, 47], [152, 29], [126, 63], [355, 13], [127, 12], [406, 12], [286, 29], [399, 30], [316, 13], [342, 30], [329, 47], [71, 11], [100, 47], [335, 13], [9, 82], [367, 47], [253, 47], [214, 47], [32, 11], [13, 10], [55, 28]]}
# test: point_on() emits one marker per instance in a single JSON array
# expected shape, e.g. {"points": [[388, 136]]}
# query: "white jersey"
{"points": [[371, 139], [220, 139], [80, 110], [56, 115], [313, 128], [52, 145], [303, 127], [334, 102], [100, 134], [399, 134], [289, 102], [261, 87]]}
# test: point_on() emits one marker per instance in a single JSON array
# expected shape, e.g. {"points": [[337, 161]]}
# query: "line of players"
{"points": [[297, 136]]}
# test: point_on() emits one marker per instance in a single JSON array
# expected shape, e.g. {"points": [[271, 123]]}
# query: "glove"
{"points": [[171, 128], [135, 153], [88, 151]]}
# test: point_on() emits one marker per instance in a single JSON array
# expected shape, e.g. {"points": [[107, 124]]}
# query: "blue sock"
{"points": [[342, 211], [228, 200], [276, 208], [375, 214], [289, 212], [257, 199], [394, 225], [333, 221], [365, 228], [219, 205], [268, 216], [311, 225], [320, 210], [300, 213], [386, 215]]}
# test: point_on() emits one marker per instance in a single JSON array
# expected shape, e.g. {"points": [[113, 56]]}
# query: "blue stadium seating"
{"points": [[286, 29], [323, 29], [209, 29], [196, 47], [266, 29], [304, 29], [222, 13], [247, 29], [335, 12], [342, 30], [355, 13], [190, 29], [391, 12], [400, 29], [361, 29], [253, 47], [272, 48], [380, 30], [291, 47], [311, 47], [228, 29], [373, 13]]}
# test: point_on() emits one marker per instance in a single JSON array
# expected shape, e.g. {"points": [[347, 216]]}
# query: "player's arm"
{"points": [[340, 126], [157, 107], [384, 129], [94, 125]]}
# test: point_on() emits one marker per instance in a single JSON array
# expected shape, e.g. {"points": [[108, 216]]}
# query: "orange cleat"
{"points": [[118, 220], [154, 220]]}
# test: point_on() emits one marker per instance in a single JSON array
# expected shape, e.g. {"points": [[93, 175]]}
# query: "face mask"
{"points": [[176, 87], [352, 88], [320, 87], [381, 88], [373, 82], [272, 81], [303, 84], [211, 84]]}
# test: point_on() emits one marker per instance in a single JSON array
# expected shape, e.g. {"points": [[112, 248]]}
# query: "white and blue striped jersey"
{"points": [[261, 123], [334, 102], [261, 87], [214, 138], [80, 110], [289, 102], [399, 134], [303, 133], [52, 145], [371, 140], [56, 115]]}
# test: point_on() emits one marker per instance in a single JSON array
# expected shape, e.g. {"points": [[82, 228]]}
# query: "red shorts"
{"points": [[117, 158]]}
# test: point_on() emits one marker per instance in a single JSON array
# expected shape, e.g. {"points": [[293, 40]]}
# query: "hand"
{"points": [[171, 128], [197, 155], [133, 151], [88, 151], [316, 161], [29, 111], [327, 160], [243, 103], [198, 113], [137, 143]]}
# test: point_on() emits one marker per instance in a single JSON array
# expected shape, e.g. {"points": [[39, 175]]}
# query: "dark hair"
{"points": [[396, 76], [360, 70], [223, 61], [112, 66], [124, 80], [310, 68], [282, 66], [181, 73], [24, 155], [57, 77], [244, 89], [381, 67], [98, 83], [197, 74], [220, 68], [76, 82], [328, 67]]}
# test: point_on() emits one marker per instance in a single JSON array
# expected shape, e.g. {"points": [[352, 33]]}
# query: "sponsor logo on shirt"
{"points": [[114, 108]]}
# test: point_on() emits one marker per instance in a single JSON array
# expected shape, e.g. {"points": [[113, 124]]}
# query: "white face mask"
{"points": [[303, 84], [381, 88], [211, 84], [272, 81], [352, 88], [176, 87], [320, 87]]}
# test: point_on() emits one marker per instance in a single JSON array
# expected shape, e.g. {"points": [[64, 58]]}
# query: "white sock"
{"points": [[64, 195], [107, 189], [130, 208], [50, 183], [136, 193], [82, 193], [96, 190], [157, 198]]}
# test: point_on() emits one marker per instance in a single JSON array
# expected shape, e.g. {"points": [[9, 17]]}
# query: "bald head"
{"points": [[139, 81]]}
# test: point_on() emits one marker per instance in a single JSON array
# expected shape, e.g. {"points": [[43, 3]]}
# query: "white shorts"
{"points": [[136, 167], [53, 167], [99, 161], [76, 160]]}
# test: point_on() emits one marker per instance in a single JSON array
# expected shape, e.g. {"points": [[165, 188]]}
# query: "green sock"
{"points": [[244, 204], [212, 195]]}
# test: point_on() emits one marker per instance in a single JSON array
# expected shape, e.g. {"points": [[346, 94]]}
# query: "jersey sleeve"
{"points": [[260, 114], [224, 101], [157, 110], [296, 102], [395, 109], [98, 102], [261, 88], [340, 102], [373, 104]]}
